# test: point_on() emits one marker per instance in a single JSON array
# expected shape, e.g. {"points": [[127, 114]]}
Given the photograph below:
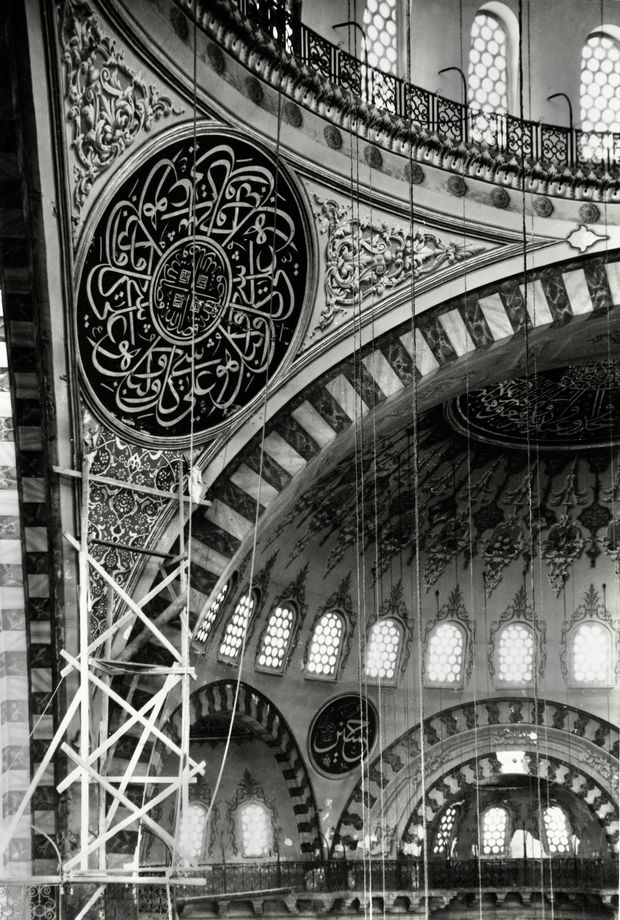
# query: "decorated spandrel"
{"points": [[192, 288], [342, 734]]}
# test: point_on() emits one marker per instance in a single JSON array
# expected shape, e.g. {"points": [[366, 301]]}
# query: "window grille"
{"points": [[516, 654], [211, 615], [236, 628], [383, 652], [380, 29], [276, 639], [325, 646], [446, 652]]}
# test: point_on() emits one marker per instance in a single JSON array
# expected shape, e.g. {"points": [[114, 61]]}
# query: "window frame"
{"points": [[288, 651], [500, 683], [444, 684], [228, 585], [198, 806], [253, 800], [570, 833], [612, 33], [385, 681], [254, 596], [339, 612], [610, 681], [507, 831], [509, 23]]}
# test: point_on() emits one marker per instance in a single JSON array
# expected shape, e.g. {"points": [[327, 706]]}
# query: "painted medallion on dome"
{"points": [[342, 734], [568, 408], [192, 288]]}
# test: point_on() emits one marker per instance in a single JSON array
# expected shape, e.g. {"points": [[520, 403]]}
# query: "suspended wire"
{"points": [[250, 590]]}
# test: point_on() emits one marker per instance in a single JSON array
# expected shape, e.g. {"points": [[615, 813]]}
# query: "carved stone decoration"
{"points": [[364, 260], [394, 606], [341, 601], [589, 212], [249, 790], [583, 238], [192, 288], [500, 198], [520, 612], [457, 186], [593, 610], [343, 734], [543, 207], [454, 609], [108, 103]]}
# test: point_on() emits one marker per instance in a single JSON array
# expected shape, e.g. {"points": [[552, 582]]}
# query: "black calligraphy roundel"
{"points": [[192, 288], [342, 734], [561, 409]]}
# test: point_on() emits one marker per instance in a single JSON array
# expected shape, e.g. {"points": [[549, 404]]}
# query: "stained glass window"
{"points": [[383, 650], [557, 830], [516, 654], [591, 654], [325, 645], [381, 29], [211, 614], [276, 639], [487, 78], [446, 649], [444, 831], [494, 829], [236, 628], [256, 830], [192, 833]]}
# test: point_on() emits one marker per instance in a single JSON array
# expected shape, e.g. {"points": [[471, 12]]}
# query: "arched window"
{"points": [[326, 645], [445, 655], [211, 615], [494, 831], [255, 830], [516, 653], [380, 28], [276, 639], [591, 654], [557, 830], [443, 837], [487, 75], [192, 833], [383, 651], [236, 628], [599, 96]]}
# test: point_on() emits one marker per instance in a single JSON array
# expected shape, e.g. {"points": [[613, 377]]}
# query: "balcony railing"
{"points": [[408, 875], [452, 123]]}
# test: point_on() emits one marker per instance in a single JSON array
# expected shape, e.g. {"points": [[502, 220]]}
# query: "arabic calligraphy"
{"points": [[342, 734], [575, 407], [192, 288]]}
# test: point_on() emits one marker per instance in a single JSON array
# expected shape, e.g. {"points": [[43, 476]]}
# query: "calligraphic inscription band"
{"points": [[342, 734], [192, 288], [565, 408]]}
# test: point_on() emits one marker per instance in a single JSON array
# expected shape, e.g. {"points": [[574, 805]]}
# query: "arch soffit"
{"points": [[568, 733], [257, 712], [309, 414], [456, 781]]}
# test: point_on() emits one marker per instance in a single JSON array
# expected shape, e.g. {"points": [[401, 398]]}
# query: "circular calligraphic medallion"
{"points": [[192, 288], [564, 409], [342, 734]]}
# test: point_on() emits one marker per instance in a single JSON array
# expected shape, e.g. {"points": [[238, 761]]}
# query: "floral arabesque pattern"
{"points": [[108, 103], [364, 259], [122, 515]]}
